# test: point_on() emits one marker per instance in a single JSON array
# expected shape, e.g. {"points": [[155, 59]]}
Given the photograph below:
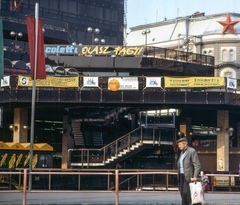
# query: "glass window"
{"points": [[72, 7], [82, 8], [224, 55], [231, 55], [114, 41], [64, 6], [90, 11], [210, 53], [107, 14]]}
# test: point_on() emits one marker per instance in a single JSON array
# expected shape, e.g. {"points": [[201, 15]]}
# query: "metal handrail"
{"points": [[103, 149], [117, 146], [111, 172]]}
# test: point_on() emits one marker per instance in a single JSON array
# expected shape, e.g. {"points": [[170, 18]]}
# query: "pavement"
{"points": [[110, 198]]}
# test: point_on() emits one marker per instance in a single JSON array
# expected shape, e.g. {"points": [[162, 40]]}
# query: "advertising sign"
{"points": [[93, 50], [194, 82], [90, 81], [231, 83], [123, 83], [50, 81], [224, 181], [153, 82], [5, 81]]}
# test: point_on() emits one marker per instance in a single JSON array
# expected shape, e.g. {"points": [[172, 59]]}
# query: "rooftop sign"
{"points": [[93, 50]]}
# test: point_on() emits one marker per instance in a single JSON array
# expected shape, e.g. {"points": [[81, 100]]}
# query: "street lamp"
{"points": [[95, 31], [146, 32], [16, 35], [189, 41], [96, 40], [75, 44]]}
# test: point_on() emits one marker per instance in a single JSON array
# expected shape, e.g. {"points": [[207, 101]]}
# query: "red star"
{"points": [[228, 24]]}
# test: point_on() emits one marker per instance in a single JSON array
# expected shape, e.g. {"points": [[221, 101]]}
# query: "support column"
{"points": [[133, 121], [238, 134], [186, 128], [223, 141], [67, 142], [20, 119]]}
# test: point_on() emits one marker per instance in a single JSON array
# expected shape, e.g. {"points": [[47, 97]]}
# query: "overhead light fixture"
{"points": [[26, 127], [216, 129], [13, 127], [230, 130], [180, 134]]}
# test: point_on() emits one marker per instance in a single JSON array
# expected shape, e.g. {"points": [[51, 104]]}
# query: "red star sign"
{"points": [[228, 24]]}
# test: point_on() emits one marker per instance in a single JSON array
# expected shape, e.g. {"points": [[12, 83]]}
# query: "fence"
{"points": [[107, 179]]}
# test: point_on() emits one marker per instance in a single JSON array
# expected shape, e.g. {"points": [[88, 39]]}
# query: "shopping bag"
{"points": [[196, 192]]}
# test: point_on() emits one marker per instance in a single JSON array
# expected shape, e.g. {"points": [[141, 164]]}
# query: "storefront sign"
{"points": [[124, 83], [50, 81], [194, 82], [93, 50]]}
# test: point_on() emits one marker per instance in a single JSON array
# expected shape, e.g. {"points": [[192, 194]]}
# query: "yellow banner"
{"points": [[194, 82], [50, 81]]}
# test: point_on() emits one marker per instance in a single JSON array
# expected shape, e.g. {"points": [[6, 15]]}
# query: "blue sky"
{"points": [[140, 12]]}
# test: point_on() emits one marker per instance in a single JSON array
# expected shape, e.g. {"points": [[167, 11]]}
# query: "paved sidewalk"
{"points": [[109, 198]]}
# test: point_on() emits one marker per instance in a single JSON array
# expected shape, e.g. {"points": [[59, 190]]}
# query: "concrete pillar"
{"points": [[133, 121], [20, 119], [223, 141], [238, 134], [67, 142], [186, 128]]}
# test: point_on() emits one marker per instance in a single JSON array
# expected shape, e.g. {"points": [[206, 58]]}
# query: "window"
{"points": [[210, 53], [231, 55], [224, 55]]}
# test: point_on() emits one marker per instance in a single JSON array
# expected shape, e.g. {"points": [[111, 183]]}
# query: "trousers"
{"points": [[185, 190]]}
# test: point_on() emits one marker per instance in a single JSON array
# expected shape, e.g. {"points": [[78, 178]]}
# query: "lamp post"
{"points": [[188, 42], [16, 35], [145, 33], [93, 32]]}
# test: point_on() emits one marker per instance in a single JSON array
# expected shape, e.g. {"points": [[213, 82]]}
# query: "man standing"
{"points": [[188, 169]]}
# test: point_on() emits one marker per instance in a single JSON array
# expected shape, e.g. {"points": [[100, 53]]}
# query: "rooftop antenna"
{"points": [[157, 15], [177, 12]]}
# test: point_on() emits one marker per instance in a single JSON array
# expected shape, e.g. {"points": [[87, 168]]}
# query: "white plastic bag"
{"points": [[196, 192]]}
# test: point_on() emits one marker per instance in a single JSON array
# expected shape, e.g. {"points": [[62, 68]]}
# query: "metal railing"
{"points": [[114, 179], [115, 150]]}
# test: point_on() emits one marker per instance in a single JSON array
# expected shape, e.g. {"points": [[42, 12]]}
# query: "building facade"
{"points": [[80, 114], [64, 22], [216, 35]]}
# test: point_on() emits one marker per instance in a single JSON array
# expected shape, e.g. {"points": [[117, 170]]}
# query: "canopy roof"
{"points": [[24, 146]]}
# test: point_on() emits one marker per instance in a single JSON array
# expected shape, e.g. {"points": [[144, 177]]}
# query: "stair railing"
{"points": [[110, 152]]}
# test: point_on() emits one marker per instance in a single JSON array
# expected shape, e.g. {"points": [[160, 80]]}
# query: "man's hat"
{"points": [[183, 139]]}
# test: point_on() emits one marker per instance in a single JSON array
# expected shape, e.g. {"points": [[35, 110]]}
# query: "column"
{"points": [[238, 134], [67, 142], [20, 119], [223, 140], [186, 128]]}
